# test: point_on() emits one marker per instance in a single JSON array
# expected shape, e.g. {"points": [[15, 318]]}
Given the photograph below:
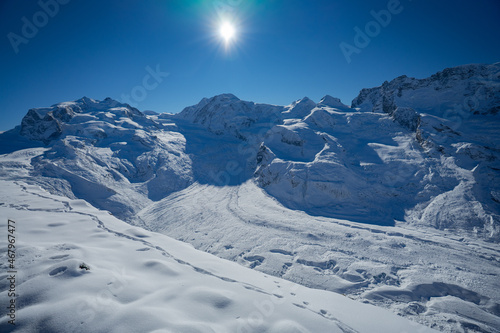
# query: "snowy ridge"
{"points": [[406, 163], [226, 113], [46, 124], [473, 88]]}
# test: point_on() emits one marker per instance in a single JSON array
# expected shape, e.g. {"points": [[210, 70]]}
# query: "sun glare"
{"points": [[227, 32]]}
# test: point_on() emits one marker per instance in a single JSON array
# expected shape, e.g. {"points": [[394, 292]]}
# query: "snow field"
{"points": [[141, 281], [400, 268]]}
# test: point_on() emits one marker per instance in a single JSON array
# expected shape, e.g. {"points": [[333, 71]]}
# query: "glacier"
{"points": [[394, 200]]}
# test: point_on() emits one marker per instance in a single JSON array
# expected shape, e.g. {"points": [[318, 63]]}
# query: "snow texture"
{"points": [[82, 270]]}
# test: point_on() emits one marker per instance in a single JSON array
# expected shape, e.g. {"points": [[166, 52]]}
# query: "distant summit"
{"points": [[462, 91], [332, 102], [47, 124]]}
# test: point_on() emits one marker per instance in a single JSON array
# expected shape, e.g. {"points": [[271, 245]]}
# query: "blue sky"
{"points": [[284, 50]]}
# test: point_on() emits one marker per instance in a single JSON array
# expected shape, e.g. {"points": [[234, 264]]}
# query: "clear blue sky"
{"points": [[285, 49]]}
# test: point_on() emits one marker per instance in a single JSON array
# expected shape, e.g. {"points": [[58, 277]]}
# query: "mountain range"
{"points": [[393, 200]]}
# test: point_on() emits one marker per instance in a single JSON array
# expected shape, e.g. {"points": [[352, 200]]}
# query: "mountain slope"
{"points": [[186, 290], [454, 115]]}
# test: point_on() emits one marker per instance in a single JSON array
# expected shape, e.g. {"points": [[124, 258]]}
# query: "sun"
{"points": [[227, 31]]}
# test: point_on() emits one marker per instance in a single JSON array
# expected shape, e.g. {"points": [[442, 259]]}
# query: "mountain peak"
{"points": [[86, 100], [303, 101], [195, 111], [300, 108], [225, 98], [332, 102]]}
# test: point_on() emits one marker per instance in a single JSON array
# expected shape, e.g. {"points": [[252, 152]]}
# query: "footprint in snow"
{"points": [[61, 256], [54, 225], [58, 271], [68, 268], [160, 268]]}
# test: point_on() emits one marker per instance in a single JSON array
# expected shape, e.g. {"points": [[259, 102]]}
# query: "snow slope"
{"points": [[455, 117], [394, 201], [406, 269], [139, 281]]}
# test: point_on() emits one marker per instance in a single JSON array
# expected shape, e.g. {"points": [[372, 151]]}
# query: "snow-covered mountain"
{"points": [[454, 114], [394, 200], [471, 89]]}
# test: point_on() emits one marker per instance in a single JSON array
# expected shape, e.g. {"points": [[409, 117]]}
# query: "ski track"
{"points": [[236, 210]]}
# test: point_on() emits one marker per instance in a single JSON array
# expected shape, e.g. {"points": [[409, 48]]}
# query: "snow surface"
{"points": [[394, 201], [139, 281]]}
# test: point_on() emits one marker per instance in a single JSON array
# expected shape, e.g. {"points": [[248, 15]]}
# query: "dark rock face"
{"points": [[38, 128], [407, 117]]}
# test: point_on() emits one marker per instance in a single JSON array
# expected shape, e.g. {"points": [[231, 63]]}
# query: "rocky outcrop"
{"points": [[41, 127]]}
